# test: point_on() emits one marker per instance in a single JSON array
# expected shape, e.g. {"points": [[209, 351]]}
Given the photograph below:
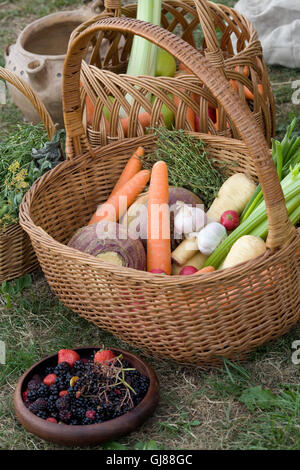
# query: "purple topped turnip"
{"points": [[112, 243]]}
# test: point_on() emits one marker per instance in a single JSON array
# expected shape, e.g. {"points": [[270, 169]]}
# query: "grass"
{"points": [[254, 405]]}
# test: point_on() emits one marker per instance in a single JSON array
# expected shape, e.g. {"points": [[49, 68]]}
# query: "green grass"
{"points": [[254, 405]]}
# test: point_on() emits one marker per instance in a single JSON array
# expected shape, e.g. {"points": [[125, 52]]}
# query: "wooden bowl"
{"points": [[92, 434]]}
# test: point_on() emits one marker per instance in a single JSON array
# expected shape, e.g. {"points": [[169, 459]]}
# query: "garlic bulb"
{"points": [[210, 237], [189, 219]]}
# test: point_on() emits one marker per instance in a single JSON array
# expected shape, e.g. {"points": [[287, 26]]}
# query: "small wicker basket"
{"points": [[192, 319], [16, 253], [228, 40]]}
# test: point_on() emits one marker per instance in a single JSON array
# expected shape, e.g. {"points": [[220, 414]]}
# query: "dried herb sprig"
{"points": [[188, 163]]}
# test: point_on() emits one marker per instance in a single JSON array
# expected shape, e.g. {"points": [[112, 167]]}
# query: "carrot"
{"points": [[133, 165], [248, 94], [207, 269], [159, 240], [144, 119], [116, 205], [89, 106]]}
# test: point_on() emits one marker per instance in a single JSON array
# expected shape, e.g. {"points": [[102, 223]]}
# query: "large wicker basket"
{"points": [[192, 319], [226, 38], [17, 256]]}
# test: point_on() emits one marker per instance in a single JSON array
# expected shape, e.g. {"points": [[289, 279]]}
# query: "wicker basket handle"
{"points": [[36, 102], [213, 52], [280, 228]]}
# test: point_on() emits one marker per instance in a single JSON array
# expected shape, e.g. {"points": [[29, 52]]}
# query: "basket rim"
{"points": [[227, 275]]}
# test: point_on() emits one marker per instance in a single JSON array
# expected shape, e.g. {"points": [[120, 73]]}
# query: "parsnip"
{"points": [[245, 248], [234, 195], [197, 261], [184, 251]]}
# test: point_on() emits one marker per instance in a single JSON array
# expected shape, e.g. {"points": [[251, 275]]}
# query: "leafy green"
{"points": [[27, 155]]}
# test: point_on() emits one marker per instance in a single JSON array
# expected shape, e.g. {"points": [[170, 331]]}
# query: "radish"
{"points": [[187, 270], [230, 220]]}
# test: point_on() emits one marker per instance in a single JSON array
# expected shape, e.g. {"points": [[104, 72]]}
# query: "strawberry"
{"points": [[69, 356], [104, 356], [62, 393], [49, 379], [51, 420], [25, 394]]}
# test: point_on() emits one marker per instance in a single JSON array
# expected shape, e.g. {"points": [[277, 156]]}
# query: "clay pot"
{"points": [[38, 57], [92, 434]]}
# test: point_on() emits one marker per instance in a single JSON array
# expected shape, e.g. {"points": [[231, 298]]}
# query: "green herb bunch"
{"points": [[25, 156], [188, 163]]}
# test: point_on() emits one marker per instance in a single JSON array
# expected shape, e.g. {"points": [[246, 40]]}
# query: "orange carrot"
{"points": [[116, 205], [144, 119], [90, 108], [207, 269], [159, 242], [133, 165], [248, 94]]}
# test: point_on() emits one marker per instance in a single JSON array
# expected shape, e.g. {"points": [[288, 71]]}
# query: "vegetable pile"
{"points": [[26, 154], [201, 223]]}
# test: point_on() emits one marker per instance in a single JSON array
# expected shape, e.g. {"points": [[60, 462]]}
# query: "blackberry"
{"points": [[61, 383], [65, 415], [32, 395], [80, 403], [38, 405], [51, 406], [43, 391], [49, 370], [71, 393], [63, 403], [61, 368], [53, 390], [35, 382], [88, 421], [79, 412], [74, 422], [42, 414], [79, 366]]}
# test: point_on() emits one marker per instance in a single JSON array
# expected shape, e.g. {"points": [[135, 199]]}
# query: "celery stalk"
{"points": [[143, 55], [291, 190]]}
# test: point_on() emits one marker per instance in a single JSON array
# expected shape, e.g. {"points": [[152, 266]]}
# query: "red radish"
{"points": [[187, 270], [230, 220], [157, 271], [49, 379]]}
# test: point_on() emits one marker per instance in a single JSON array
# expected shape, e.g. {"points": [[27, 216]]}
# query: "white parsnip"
{"points": [[184, 251], [233, 195], [245, 248], [197, 261]]}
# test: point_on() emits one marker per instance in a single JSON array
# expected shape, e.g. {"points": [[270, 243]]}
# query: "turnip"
{"points": [[112, 243]]}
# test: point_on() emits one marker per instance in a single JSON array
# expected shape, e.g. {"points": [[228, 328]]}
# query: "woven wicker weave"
{"points": [[190, 19], [192, 319], [16, 253]]}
